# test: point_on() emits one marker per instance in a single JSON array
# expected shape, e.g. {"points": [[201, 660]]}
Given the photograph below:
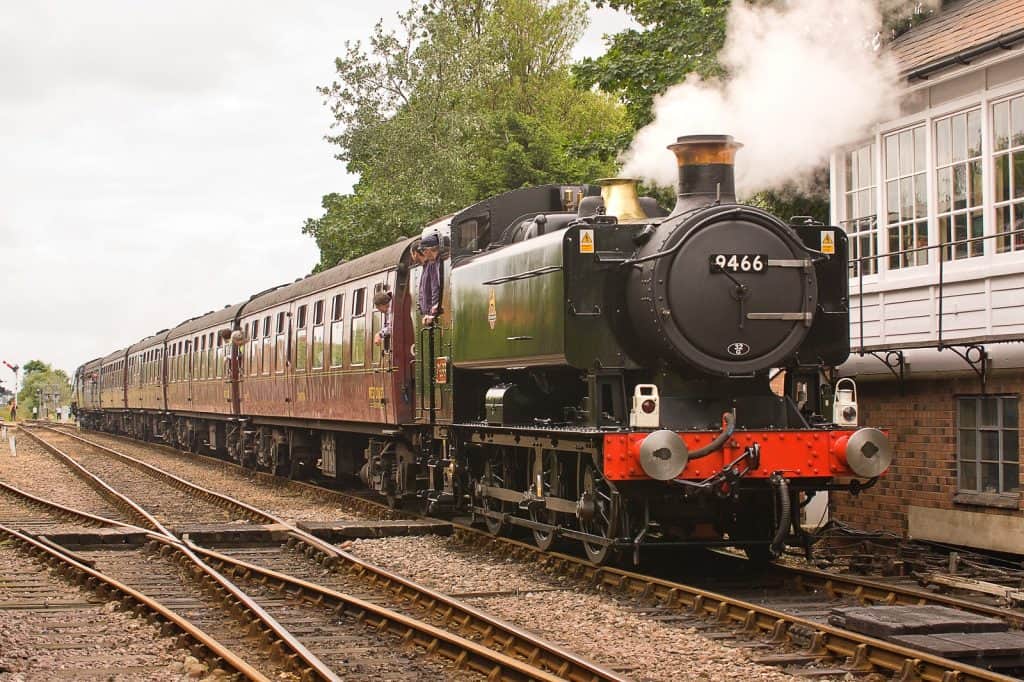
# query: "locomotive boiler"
{"points": [[602, 370]]}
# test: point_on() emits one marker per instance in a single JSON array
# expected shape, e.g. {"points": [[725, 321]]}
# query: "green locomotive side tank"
{"points": [[545, 301], [508, 306]]}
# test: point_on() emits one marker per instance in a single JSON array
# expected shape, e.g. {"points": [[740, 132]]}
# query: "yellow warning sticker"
{"points": [[828, 242], [586, 241]]}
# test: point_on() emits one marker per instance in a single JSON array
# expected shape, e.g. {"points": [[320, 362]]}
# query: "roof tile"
{"points": [[960, 26]]}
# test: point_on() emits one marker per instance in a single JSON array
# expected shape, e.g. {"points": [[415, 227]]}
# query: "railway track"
{"points": [[802, 639], [498, 652], [185, 633]]}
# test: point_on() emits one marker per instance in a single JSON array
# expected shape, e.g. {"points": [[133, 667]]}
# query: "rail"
{"points": [[131, 598], [865, 653], [530, 647]]}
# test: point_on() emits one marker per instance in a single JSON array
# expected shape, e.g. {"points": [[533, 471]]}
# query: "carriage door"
{"points": [[382, 393]]}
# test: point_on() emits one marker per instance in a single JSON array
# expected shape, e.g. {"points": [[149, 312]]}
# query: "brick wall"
{"points": [[922, 427]]}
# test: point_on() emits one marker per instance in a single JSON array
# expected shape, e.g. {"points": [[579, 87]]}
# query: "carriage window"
{"points": [[358, 302], [254, 349], [300, 317], [201, 360], [300, 350], [280, 346], [337, 331], [358, 342], [318, 347], [267, 341], [377, 321], [318, 335], [220, 356], [211, 358]]}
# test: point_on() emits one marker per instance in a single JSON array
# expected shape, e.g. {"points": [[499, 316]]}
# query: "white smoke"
{"points": [[803, 80]]}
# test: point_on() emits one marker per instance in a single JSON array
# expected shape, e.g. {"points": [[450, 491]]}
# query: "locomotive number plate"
{"points": [[739, 262]]}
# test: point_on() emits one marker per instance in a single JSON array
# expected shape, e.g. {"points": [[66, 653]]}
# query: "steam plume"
{"points": [[803, 80]]}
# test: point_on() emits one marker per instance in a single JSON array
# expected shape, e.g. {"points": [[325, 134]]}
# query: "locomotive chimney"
{"points": [[705, 170]]}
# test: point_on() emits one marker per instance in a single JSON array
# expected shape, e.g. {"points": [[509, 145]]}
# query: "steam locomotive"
{"points": [[603, 370]]}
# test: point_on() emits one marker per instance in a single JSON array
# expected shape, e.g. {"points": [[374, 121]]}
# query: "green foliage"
{"points": [[677, 38], [468, 98], [40, 380], [34, 366]]}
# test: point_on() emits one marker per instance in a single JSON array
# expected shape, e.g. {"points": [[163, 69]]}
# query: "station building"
{"points": [[933, 206]]}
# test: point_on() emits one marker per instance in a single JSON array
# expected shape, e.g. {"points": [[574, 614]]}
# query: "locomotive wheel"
{"points": [[596, 515], [545, 539], [491, 478]]}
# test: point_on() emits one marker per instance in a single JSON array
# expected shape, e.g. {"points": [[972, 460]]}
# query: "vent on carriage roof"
{"points": [[958, 30]]}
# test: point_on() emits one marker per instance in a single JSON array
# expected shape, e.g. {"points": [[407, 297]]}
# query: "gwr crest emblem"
{"points": [[492, 311]]}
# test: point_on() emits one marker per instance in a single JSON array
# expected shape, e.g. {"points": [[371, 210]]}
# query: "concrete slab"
{"points": [[967, 645], [891, 621], [87, 537], [211, 534], [339, 531]]}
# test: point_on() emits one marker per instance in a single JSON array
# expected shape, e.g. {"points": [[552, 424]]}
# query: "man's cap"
{"points": [[430, 240]]}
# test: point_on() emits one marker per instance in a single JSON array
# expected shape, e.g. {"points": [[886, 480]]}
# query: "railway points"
{"points": [[803, 643], [508, 653]]}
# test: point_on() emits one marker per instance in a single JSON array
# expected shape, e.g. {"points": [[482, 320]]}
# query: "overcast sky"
{"points": [[158, 160]]}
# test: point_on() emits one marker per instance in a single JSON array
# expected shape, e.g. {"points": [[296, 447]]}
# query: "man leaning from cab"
{"points": [[430, 279]]}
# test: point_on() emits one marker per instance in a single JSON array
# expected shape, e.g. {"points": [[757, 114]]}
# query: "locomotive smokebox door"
{"points": [[505, 404]]}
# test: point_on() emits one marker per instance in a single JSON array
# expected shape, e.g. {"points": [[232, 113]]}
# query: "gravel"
{"points": [[38, 472], [50, 629], [601, 627], [291, 504]]}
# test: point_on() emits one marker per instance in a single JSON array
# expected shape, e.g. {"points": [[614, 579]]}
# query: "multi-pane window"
{"points": [[337, 330], [958, 179], [1008, 167], [987, 444], [906, 195], [861, 223]]}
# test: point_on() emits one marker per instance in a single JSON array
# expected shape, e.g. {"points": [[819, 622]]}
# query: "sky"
{"points": [[159, 159]]}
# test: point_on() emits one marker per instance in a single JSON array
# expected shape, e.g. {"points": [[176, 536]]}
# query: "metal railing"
{"points": [[1017, 243]]}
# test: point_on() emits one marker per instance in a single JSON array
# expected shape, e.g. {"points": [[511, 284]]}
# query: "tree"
{"points": [[40, 381], [34, 366], [677, 38], [466, 99]]}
